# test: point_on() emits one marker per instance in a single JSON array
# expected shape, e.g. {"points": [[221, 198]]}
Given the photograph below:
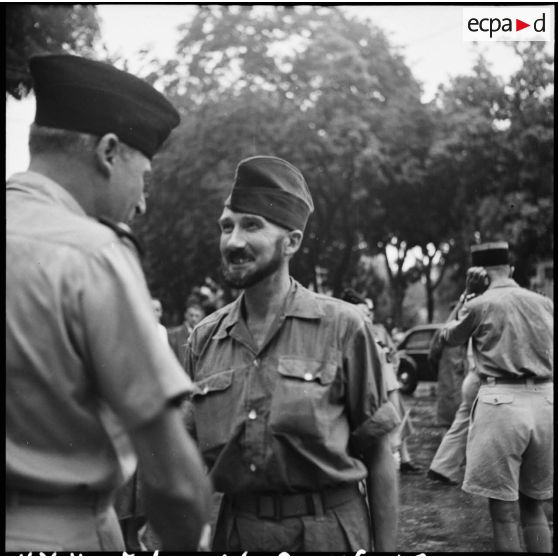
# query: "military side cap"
{"points": [[273, 188], [82, 95], [490, 254]]}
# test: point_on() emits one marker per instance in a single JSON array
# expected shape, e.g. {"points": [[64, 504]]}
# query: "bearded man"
{"points": [[291, 413]]}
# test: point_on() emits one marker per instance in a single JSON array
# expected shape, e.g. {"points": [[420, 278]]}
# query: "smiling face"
{"points": [[251, 248]]}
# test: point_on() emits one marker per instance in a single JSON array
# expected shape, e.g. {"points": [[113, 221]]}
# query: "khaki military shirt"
{"points": [[511, 328], [84, 359], [294, 415]]}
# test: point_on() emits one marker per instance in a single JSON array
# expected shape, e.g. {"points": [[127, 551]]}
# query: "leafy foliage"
{"points": [[39, 28], [392, 177]]}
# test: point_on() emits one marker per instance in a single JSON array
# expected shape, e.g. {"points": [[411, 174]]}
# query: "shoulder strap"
{"points": [[123, 231]]}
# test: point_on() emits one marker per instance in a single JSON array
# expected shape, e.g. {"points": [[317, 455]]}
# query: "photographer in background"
{"points": [[510, 445]]}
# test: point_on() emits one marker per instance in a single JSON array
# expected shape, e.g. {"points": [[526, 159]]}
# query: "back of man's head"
{"points": [[494, 257], [76, 94]]}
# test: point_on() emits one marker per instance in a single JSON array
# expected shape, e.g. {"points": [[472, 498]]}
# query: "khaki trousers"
{"points": [[55, 526]]}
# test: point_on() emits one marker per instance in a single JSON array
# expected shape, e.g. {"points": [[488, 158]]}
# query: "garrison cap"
{"points": [[82, 95], [490, 254], [273, 188]]}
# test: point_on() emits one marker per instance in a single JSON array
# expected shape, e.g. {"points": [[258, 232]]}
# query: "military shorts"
{"points": [[510, 448]]}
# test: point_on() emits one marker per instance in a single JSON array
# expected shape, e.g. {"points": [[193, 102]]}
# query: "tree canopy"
{"points": [[38, 28], [391, 177]]}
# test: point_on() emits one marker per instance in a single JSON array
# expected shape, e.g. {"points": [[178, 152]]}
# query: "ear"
{"points": [[512, 269], [293, 240], [106, 152]]}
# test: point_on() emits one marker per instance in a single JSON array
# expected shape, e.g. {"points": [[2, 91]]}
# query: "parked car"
{"points": [[413, 357]]}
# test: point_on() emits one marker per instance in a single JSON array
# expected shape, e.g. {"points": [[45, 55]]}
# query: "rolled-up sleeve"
{"points": [[371, 415]]}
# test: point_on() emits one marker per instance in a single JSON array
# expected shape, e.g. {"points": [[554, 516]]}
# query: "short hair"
{"points": [[44, 139]]}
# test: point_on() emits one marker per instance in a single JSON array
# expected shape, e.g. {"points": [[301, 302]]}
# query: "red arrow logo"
{"points": [[519, 25]]}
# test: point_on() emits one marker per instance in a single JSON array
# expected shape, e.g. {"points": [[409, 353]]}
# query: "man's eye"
{"points": [[225, 227], [252, 225]]}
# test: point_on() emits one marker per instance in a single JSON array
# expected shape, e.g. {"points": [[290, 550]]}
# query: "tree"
{"points": [[39, 28], [495, 142], [308, 84]]}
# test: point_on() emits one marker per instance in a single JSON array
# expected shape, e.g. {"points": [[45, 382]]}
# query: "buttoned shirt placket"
{"points": [[258, 375]]}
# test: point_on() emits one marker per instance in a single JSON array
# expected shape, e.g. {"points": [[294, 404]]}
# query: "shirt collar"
{"points": [[502, 282], [44, 187], [297, 305]]}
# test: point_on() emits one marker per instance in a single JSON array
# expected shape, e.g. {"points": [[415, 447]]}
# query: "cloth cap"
{"points": [[273, 188], [91, 97], [490, 254]]}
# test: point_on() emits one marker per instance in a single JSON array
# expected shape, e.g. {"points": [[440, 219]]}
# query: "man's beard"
{"points": [[249, 278]]}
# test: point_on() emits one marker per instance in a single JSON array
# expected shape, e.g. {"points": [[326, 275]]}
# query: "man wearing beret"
{"points": [[290, 411], [510, 445], [90, 384]]}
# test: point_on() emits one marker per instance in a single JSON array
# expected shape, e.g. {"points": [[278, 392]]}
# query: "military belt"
{"points": [[279, 506], [490, 380]]}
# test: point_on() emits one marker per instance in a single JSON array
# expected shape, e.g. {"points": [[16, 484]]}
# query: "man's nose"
{"points": [[236, 239]]}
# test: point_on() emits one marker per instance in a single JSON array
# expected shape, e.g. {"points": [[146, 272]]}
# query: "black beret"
{"points": [[490, 254], [273, 188], [83, 95]]}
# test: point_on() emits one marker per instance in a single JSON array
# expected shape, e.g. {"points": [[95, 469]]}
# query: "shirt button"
{"points": [[308, 376], [252, 467], [256, 362], [252, 414]]}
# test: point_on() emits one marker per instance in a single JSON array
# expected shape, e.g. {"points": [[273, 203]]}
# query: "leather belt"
{"points": [[279, 506], [509, 380], [80, 498]]}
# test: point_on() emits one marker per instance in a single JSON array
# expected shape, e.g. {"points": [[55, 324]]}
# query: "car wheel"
{"points": [[408, 377]]}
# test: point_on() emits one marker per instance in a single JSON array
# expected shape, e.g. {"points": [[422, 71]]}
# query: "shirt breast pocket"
{"points": [[302, 399], [213, 404]]}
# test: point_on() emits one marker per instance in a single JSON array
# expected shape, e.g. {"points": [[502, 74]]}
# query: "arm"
{"points": [[140, 385], [373, 416], [177, 490], [383, 493]]}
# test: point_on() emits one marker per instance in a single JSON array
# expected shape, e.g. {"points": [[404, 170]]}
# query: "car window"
{"points": [[419, 340]]}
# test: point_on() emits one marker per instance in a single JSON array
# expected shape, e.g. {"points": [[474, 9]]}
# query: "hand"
{"points": [[477, 280]]}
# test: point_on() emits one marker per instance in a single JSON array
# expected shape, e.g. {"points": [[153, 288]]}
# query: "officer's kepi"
{"points": [[82, 95], [272, 188], [490, 254]]}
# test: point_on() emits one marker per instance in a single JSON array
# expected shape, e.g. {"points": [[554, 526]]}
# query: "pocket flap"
{"points": [[496, 398], [217, 382], [308, 370]]}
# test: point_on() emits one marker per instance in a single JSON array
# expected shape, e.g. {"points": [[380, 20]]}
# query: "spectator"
{"points": [[400, 434], [158, 311], [450, 365], [178, 336]]}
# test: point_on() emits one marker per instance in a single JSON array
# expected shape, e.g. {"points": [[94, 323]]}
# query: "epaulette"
{"points": [[123, 231]]}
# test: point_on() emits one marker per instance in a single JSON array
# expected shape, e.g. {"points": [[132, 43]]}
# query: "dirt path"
{"points": [[435, 518]]}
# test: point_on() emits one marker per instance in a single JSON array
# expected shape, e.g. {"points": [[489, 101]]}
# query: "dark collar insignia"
{"points": [[123, 231]]}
